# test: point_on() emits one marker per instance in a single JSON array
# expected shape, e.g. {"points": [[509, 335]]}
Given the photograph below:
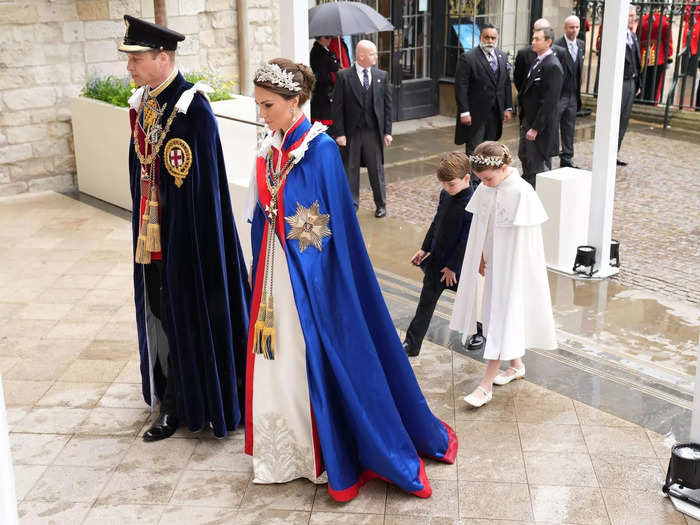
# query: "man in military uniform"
{"points": [[190, 281], [325, 66]]}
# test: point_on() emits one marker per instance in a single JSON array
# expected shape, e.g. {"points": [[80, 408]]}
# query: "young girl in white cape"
{"points": [[505, 246]]}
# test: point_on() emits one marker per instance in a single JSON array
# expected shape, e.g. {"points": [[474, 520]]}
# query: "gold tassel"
{"points": [[268, 343], [257, 335], [153, 229], [259, 327], [268, 335], [153, 237], [142, 256]]}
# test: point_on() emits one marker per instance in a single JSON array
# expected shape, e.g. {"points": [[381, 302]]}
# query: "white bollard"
{"points": [[565, 194]]}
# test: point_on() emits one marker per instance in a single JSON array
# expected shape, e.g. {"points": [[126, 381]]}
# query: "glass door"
{"points": [[415, 92]]}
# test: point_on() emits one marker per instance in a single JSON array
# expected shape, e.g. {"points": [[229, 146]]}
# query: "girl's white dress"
{"points": [[516, 308]]}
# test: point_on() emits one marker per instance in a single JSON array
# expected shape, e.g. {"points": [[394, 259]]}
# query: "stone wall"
{"points": [[556, 11], [49, 48]]}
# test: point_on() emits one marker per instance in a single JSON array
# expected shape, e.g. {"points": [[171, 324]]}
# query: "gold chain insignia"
{"points": [[178, 159], [308, 226], [151, 112]]}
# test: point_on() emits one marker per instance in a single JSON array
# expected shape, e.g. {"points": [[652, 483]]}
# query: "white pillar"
{"points": [[8, 501], [607, 127], [294, 33], [294, 30]]}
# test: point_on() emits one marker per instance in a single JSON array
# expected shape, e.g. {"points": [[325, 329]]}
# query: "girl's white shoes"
{"points": [[503, 378], [479, 401]]}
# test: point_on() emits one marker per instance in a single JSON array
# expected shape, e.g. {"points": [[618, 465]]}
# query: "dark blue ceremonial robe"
{"points": [[203, 274], [370, 418]]}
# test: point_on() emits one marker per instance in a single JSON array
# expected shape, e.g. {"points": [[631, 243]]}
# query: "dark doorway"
{"points": [[415, 91]]}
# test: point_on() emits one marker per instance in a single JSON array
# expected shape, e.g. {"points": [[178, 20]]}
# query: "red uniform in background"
{"points": [[340, 49], [657, 51]]}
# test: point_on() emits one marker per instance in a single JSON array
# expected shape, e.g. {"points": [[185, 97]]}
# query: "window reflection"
{"points": [[464, 19]]}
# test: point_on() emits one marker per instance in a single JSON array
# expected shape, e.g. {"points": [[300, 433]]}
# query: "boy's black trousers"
{"points": [[429, 295]]}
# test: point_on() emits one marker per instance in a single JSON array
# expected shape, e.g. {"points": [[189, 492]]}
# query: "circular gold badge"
{"points": [[178, 159]]}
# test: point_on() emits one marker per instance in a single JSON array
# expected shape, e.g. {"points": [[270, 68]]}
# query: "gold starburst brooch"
{"points": [[308, 226]]}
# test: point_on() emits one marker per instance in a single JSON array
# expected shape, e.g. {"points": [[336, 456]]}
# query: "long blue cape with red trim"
{"points": [[204, 274], [370, 415]]}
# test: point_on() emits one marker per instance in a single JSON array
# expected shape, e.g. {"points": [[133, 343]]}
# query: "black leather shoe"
{"points": [[621, 162], [164, 427], [565, 164], [476, 342], [410, 352], [381, 212]]}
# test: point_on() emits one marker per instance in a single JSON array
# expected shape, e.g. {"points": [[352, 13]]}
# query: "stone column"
{"points": [[294, 33]]}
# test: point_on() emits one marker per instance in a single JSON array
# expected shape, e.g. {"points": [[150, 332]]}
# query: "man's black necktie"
{"points": [[365, 79], [534, 66]]}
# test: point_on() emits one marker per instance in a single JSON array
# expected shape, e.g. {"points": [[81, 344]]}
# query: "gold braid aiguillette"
{"points": [[264, 328]]}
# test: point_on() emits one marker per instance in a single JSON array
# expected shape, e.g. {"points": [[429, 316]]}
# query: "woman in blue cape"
{"points": [[330, 393]]}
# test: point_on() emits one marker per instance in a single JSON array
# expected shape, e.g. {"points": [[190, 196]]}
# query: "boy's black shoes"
{"points": [[476, 342], [621, 162], [410, 352], [164, 427], [381, 212]]}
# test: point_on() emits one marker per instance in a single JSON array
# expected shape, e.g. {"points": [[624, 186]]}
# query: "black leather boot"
{"points": [[163, 427]]}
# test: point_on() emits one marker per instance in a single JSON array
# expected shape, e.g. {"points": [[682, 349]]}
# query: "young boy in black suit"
{"points": [[442, 251]]}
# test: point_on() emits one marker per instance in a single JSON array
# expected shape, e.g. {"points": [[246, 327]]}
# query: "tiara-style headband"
{"points": [[494, 162], [274, 74]]}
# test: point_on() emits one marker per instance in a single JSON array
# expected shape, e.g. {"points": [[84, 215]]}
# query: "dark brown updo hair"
{"points": [[302, 74], [490, 150]]}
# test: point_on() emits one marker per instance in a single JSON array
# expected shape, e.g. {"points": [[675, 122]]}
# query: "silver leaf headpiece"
{"points": [[493, 162], [274, 74]]}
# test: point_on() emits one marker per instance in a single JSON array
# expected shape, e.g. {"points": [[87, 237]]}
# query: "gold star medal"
{"points": [[308, 226]]}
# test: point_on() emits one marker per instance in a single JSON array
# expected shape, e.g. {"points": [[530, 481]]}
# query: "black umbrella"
{"points": [[345, 18]]}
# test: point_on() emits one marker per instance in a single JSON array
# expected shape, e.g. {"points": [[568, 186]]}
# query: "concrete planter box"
{"points": [[101, 140], [101, 135]]}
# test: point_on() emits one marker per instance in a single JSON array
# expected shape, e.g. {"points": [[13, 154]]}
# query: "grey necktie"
{"points": [[365, 79], [573, 50]]}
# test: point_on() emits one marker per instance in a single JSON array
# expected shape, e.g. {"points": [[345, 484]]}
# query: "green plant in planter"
{"points": [[109, 89], [116, 91], [222, 87]]}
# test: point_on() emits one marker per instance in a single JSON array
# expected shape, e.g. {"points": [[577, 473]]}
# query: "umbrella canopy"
{"points": [[345, 18]]}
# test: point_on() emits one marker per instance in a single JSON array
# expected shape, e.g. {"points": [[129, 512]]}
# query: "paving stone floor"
{"points": [[69, 367], [657, 197]]}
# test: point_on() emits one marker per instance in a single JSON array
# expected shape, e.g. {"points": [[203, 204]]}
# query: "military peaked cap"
{"points": [[145, 36]]}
